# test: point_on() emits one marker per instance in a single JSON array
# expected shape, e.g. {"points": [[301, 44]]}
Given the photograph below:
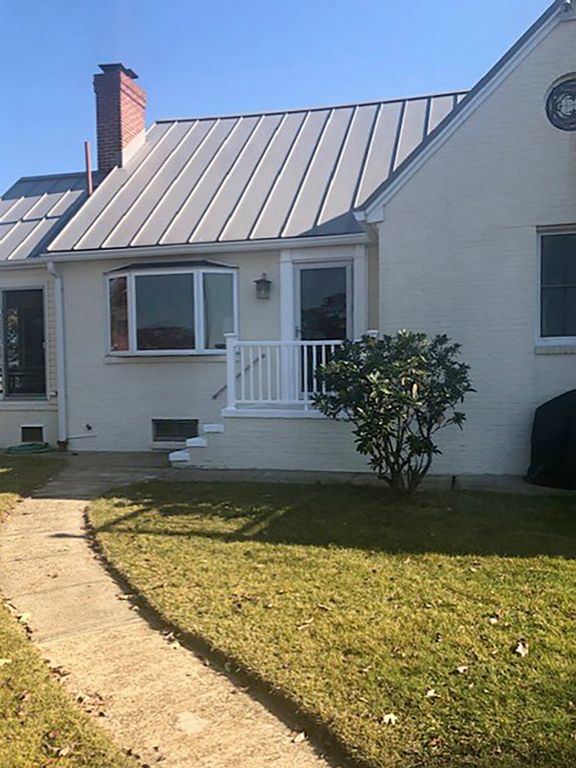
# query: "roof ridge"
{"points": [[321, 108], [67, 175]]}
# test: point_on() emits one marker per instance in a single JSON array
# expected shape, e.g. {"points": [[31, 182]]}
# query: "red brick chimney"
{"points": [[120, 115]]}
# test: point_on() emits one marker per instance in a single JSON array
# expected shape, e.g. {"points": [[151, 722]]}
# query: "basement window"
{"points": [[32, 434], [173, 430], [171, 311], [558, 286]]}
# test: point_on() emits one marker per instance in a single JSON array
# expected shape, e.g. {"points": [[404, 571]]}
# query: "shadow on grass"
{"points": [[352, 517]]}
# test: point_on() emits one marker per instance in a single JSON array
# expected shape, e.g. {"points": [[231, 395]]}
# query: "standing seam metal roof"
{"points": [[251, 177], [34, 209]]}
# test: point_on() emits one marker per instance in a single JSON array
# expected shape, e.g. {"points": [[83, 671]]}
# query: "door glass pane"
{"points": [[324, 303], [24, 366], [165, 312], [118, 314], [218, 308]]}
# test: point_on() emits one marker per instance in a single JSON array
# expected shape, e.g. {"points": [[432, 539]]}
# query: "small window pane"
{"points": [[32, 434], [558, 312], [165, 312], [167, 430], [559, 260], [218, 309], [119, 314]]}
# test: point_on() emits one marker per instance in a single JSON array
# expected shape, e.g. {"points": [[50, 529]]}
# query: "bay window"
{"points": [[171, 311]]}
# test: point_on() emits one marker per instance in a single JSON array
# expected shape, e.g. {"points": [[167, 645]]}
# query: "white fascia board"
{"points": [[187, 249], [377, 205]]}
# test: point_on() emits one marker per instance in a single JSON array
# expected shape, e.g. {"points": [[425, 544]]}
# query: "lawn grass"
{"points": [[360, 606], [40, 727]]}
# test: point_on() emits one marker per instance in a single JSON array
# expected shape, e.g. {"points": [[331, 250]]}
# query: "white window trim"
{"points": [[199, 324], [549, 341], [290, 259]]}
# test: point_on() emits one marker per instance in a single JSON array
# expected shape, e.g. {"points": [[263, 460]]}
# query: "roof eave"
{"points": [[237, 246]]}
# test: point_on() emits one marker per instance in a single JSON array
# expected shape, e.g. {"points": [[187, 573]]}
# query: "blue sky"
{"points": [[224, 56]]}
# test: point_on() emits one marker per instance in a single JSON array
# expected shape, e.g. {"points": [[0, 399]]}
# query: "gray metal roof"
{"points": [[253, 177], [34, 209]]}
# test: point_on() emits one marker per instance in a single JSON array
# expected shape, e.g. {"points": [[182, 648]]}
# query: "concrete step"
{"points": [[196, 442], [210, 429]]}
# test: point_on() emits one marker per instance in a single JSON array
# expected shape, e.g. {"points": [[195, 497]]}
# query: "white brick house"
{"points": [[451, 213]]}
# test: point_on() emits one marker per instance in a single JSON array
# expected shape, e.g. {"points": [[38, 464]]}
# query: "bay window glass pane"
{"points": [[558, 312], [218, 308], [165, 312], [118, 287]]}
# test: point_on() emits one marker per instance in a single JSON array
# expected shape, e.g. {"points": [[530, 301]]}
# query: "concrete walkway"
{"points": [[156, 698]]}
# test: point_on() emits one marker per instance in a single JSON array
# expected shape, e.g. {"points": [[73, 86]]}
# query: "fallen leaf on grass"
{"points": [[305, 624], [60, 671], [431, 694], [4, 662], [521, 648], [462, 669], [390, 719]]}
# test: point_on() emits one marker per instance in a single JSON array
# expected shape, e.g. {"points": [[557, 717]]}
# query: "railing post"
{"points": [[231, 339]]}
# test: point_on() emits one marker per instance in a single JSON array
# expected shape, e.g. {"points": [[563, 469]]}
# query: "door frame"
{"points": [[291, 259]]}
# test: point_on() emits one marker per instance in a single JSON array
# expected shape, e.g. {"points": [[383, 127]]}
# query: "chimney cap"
{"points": [[119, 68]]}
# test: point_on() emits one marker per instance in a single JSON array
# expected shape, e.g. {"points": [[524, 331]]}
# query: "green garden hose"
{"points": [[26, 448]]}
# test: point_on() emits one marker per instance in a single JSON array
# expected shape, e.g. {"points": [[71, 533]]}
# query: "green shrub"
{"points": [[398, 392]]}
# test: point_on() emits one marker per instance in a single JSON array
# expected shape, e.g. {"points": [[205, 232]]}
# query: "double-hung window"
{"points": [[171, 311], [558, 286]]}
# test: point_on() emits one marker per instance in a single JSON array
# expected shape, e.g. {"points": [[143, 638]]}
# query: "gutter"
{"points": [[60, 356], [155, 251]]}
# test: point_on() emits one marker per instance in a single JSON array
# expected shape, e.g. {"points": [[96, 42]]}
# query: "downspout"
{"points": [[60, 356]]}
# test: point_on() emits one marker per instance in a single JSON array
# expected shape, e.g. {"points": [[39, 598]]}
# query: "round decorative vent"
{"points": [[561, 105]]}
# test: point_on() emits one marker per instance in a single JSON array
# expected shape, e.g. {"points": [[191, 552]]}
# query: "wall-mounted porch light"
{"points": [[263, 286]]}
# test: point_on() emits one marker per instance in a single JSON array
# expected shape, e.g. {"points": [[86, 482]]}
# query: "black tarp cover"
{"points": [[554, 443]]}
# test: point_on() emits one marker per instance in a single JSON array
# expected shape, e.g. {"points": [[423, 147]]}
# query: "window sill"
{"points": [[556, 349], [168, 445], [195, 357], [28, 405]]}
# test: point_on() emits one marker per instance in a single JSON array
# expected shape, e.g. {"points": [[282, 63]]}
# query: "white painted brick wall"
{"points": [[458, 254]]}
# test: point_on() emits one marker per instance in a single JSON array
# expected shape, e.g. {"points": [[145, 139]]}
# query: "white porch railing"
{"points": [[275, 374]]}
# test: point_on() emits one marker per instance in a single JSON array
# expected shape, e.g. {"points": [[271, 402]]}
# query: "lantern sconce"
{"points": [[263, 286]]}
